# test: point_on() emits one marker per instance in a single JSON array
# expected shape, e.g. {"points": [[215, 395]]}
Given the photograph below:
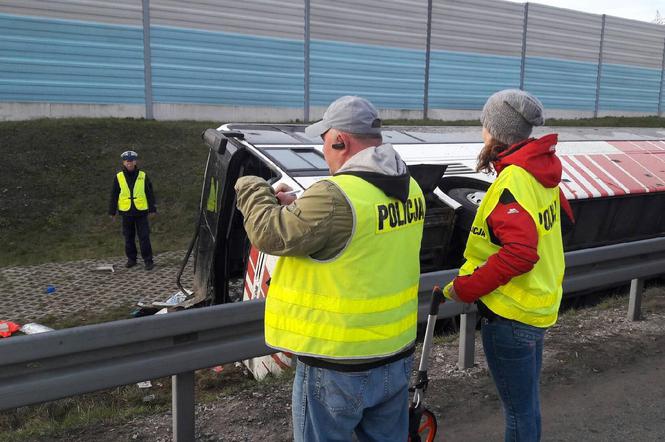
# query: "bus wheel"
{"points": [[470, 199]]}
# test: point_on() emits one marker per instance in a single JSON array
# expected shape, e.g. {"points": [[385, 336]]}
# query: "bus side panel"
{"points": [[257, 281]]}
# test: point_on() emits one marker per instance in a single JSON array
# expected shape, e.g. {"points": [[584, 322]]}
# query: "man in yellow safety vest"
{"points": [[343, 296], [132, 196]]}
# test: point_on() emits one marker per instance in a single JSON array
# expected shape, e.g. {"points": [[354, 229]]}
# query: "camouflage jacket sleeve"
{"points": [[318, 224]]}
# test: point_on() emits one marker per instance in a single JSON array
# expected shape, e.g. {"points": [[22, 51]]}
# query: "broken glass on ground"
{"points": [[105, 267], [177, 298], [33, 328]]}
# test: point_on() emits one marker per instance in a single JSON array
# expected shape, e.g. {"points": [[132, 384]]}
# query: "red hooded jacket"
{"points": [[511, 227]]}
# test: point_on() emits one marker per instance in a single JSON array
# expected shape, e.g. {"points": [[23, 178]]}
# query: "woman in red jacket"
{"points": [[514, 255]]}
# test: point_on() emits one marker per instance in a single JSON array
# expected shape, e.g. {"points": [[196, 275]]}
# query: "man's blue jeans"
{"points": [[331, 405], [514, 353]]}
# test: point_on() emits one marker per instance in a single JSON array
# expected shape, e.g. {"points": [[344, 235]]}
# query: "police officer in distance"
{"points": [[343, 296], [132, 196]]}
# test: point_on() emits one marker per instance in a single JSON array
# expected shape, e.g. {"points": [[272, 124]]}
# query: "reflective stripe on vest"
{"points": [[534, 297], [362, 303], [138, 193]]}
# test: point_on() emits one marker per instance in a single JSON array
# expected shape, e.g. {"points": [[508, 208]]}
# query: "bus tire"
{"points": [[468, 197]]}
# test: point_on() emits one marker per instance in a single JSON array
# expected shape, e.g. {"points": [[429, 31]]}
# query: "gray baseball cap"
{"points": [[350, 114]]}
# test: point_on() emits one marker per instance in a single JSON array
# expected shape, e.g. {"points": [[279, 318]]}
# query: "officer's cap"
{"points": [[129, 155]]}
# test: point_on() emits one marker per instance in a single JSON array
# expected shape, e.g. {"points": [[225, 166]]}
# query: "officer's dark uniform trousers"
{"points": [[131, 225]]}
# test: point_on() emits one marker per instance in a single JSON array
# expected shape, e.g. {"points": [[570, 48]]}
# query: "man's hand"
{"points": [[282, 192], [152, 215], [112, 218]]}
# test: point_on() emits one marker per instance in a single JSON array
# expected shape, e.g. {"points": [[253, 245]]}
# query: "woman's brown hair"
{"points": [[488, 155]]}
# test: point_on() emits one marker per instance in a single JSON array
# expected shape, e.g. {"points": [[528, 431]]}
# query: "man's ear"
{"points": [[341, 142]]}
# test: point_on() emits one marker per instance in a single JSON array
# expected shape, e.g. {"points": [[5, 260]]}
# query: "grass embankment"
{"points": [[56, 180]]}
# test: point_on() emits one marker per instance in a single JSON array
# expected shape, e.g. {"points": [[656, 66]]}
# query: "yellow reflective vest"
{"points": [[362, 303], [137, 194], [534, 297]]}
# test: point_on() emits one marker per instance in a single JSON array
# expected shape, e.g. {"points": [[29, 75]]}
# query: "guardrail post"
{"points": [[635, 302], [182, 406], [467, 340]]}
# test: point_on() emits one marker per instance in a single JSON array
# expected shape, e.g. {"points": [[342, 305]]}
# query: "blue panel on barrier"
{"points": [[389, 77], [662, 93], [464, 81], [629, 88], [71, 61], [67, 61], [562, 84], [193, 66]]}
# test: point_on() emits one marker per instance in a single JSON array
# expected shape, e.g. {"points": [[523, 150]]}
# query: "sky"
{"points": [[644, 10]]}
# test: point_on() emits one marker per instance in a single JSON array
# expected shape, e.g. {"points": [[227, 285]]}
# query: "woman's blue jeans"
{"points": [[514, 353], [330, 405]]}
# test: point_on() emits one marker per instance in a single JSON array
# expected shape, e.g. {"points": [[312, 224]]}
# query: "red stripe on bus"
{"points": [[279, 362], [252, 263], [639, 172], [254, 255], [593, 181], [593, 164], [264, 282], [250, 271], [567, 186], [654, 170], [658, 146], [616, 170], [575, 179], [626, 146]]}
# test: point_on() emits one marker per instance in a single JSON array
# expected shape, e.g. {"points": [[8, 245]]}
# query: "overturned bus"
{"points": [[614, 180]]}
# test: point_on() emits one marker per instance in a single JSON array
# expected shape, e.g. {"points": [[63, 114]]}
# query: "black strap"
{"points": [[320, 363], [485, 312]]}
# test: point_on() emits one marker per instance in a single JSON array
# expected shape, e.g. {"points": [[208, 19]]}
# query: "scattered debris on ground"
{"points": [[33, 328], [8, 328]]}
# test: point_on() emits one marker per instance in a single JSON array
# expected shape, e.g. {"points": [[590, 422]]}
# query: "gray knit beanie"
{"points": [[509, 115]]}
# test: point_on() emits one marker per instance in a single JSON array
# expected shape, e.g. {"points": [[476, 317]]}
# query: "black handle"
{"points": [[437, 299]]}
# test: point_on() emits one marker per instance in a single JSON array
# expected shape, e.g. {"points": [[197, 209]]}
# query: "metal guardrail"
{"points": [[62, 363]]}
